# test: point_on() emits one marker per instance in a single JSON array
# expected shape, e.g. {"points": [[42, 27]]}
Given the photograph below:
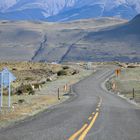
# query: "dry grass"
{"points": [[129, 79], [30, 72], [42, 99]]}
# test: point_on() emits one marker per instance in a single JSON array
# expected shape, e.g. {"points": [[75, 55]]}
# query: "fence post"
{"points": [[133, 93], [58, 94]]}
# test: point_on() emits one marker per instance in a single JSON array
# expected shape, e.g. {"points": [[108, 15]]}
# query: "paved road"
{"points": [[93, 114]]}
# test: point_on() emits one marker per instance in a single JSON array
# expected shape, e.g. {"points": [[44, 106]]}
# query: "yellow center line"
{"points": [[83, 135], [101, 100], [75, 135], [97, 109], [93, 113], [86, 128], [89, 118]]}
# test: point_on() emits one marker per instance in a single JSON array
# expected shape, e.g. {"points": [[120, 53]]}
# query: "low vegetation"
{"points": [[62, 73], [32, 76], [36, 88], [127, 83]]}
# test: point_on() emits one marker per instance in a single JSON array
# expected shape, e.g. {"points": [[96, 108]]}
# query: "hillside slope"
{"points": [[41, 41], [113, 43], [105, 39]]}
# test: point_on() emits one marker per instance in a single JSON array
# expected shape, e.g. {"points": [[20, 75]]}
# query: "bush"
{"points": [[65, 67], [19, 92], [14, 69], [21, 101], [75, 72], [36, 85], [25, 89], [131, 67], [61, 73], [108, 85], [29, 78], [32, 92], [42, 83]]}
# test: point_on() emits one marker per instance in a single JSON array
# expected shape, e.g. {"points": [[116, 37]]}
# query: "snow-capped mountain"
{"points": [[5, 4], [64, 10]]}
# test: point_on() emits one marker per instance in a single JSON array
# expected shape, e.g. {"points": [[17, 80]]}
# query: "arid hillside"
{"points": [[105, 39]]}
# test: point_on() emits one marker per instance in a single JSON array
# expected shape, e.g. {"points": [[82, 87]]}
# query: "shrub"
{"points": [[36, 85], [25, 89], [14, 69], [21, 101], [43, 83], [19, 92], [131, 67], [75, 72], [61, 73], [29, 78], [32, 92], [108, 85], [65, 67]]}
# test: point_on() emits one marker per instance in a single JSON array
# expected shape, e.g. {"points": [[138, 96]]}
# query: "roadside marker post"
{"points": [[58, 94], [65, 87], [133, 93], [1, 90], [118, 72], [9, 92]]}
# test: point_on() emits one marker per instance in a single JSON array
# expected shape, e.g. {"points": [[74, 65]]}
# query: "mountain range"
{"points": [[66, 10]]}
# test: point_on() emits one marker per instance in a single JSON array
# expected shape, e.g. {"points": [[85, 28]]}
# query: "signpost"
{"points": [[1, 90], [6, 77], [89, 65]]}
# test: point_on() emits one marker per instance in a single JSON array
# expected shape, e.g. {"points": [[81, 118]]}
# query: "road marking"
{"points": [[97, 109], [75, 135], [93, 113], [86, 128], [89, 118], [83, 135], [100, 100]]}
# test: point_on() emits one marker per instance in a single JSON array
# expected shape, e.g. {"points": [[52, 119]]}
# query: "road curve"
{"points": [[93, 114]]}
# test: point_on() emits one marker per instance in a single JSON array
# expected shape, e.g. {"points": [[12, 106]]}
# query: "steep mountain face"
{"points": [[50, 7], [65, 10], [101, 8], [5, 4]]}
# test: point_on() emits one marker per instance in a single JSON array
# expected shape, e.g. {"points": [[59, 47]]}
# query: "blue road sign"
{"points": [[8, 77]]}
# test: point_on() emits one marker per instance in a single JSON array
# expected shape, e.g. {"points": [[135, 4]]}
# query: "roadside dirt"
{"points": [[25, 105]]}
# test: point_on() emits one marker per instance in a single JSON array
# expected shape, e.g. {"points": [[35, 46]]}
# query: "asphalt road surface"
{"points": [[93, 114]]}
